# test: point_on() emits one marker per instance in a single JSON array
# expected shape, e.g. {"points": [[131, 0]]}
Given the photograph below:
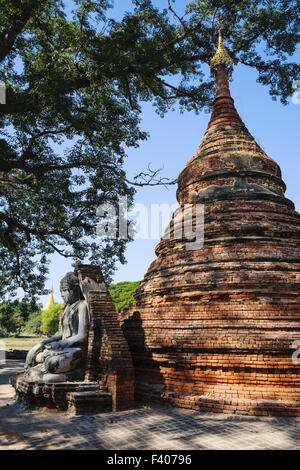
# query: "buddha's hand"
{"points": [[46, 341], [52, 345], [63, 343], [30, 359]]}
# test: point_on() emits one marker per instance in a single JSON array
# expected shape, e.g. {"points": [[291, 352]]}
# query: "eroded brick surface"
{"points": [[213, 328], [109, 358]]}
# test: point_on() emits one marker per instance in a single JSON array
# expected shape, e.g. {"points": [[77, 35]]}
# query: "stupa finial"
{"points": [[221, 56]]}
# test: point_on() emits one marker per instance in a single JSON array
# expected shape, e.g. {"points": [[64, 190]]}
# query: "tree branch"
{"points": [[69, 166], [132, 105], [8, 179], [11, 221], [178, 90], [176, 15]]}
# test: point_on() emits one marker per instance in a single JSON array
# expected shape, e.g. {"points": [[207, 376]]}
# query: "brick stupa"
{"points": [[213, 328]]}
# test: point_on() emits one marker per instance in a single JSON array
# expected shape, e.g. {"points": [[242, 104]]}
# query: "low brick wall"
{"points": [[109, 357]]}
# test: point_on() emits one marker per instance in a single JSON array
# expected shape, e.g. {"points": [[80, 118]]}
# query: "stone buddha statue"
{"points": [[62, 357]]}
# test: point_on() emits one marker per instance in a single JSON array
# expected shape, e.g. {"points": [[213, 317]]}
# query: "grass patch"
{"points": [[24, 343]]}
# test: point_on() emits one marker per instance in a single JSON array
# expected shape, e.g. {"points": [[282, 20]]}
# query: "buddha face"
{"points": [[69, 289]]}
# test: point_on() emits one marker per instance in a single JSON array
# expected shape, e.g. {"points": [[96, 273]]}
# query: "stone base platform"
{"points": [[206, 403], [76, 397], [242, 406], [89, 402], [250, 407]]}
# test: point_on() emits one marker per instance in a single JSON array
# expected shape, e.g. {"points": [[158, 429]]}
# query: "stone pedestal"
{"points": [[108, 375]]}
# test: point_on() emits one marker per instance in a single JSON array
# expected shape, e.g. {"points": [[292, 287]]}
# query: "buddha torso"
{"points": [[70, 320]]}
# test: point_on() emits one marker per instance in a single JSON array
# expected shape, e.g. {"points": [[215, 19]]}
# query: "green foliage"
{"points": [[75, 84], [50, 319], [14, 315], [11, 322], [34, 324], [121, 294]]}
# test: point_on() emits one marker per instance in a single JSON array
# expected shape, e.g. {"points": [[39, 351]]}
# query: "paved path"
{"points": [[154, 428]]}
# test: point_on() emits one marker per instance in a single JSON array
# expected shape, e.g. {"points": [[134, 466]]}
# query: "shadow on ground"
{"points": [[155, 427]]}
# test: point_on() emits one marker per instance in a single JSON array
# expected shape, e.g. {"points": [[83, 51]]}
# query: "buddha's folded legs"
{"points": [[62, 361]]}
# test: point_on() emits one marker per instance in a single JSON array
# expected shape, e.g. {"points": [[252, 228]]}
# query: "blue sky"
{"points": [[175, 138]]}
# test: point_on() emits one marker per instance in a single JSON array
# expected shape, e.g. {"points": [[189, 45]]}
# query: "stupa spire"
{"points": [[226, 135], [221, 56], [221, 66]]}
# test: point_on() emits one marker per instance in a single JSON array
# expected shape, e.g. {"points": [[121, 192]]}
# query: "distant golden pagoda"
{"points": [[50, 300]]}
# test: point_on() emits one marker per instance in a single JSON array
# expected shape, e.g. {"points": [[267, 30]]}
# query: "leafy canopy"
{"points": [[121, 294], [34, 323], [50, 319], [14, 315], [74, 87]]}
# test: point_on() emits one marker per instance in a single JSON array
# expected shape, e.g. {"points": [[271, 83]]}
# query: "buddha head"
{"points": [[70, 288]]}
